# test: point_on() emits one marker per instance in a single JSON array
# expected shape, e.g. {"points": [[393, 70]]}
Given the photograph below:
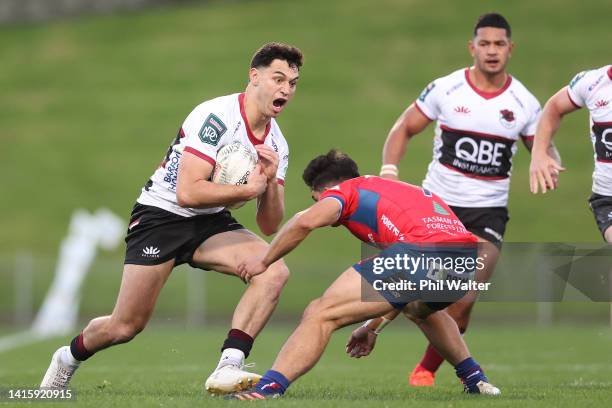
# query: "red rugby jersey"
{"points": [[383, 212]]}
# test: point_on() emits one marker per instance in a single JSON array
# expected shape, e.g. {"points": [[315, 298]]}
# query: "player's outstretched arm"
{"points": [[321, 214], [544, 168], [193, 190], [363, 339], [410, 123]]}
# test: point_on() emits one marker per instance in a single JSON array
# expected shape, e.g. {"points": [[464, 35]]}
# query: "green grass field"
{"points": [[534, 367]]}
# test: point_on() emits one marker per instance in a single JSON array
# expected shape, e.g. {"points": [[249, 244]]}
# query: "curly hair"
{"points": [[333, 167], [269, 52]]}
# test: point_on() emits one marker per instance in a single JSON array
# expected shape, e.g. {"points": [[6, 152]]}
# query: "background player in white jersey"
{"points": [[593, 90], [181, 217], [480, 113]]}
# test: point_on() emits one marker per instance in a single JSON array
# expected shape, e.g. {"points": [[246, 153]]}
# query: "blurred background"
{"points": [[93, 92]]}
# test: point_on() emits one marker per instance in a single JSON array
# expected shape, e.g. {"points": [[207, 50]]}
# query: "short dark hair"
{"points": [[333, 167], [493, 20], [264, 56]]}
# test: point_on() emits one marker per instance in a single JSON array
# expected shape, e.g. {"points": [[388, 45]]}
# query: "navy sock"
{"points": [[273, 382], [470, 373]]}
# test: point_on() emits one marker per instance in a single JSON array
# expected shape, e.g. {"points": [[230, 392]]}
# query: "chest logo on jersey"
{"points": [[212, 130], [507, 119], [603, 142], [462, 110], [601, 104], [481, 156]]}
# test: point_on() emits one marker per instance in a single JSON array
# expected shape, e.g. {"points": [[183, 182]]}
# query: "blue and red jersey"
{"points": [[384, 212]]}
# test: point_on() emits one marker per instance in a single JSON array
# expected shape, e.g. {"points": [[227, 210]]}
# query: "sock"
{"points": [[67, 358], [78, 350], [272, 382], [237, 339], [231, 356], [470, 373], [432, 360]]}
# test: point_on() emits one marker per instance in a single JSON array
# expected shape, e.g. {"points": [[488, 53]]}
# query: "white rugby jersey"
{"points": [[210, 126], [593, 89], [475, 138]]}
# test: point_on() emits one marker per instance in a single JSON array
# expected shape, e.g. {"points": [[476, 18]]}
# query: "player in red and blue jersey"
{"points": [[406, 222]]}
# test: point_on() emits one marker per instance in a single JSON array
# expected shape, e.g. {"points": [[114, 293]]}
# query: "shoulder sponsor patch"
{"points": [[577, 78], [426, 91], [212, 130]]}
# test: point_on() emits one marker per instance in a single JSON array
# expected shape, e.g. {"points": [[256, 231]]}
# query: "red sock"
{"points": [[432, 360]]}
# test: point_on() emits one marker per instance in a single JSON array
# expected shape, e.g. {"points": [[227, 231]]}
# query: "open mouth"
{"points": [[492, 61], [279, 102]]}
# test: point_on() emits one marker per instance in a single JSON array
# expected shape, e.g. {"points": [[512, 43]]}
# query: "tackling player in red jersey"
{"points": [[402, 220]]}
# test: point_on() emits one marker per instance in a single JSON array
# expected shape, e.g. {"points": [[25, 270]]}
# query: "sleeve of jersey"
{"points": [[427, 102], [203, 131], [344, 194], [576, 89], [283, 164]]}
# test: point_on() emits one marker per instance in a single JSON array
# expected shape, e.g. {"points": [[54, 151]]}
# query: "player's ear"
{"points": [[471, 47], [254, 76], [510, 48]]}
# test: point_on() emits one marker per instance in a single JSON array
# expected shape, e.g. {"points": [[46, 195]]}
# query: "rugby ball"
{"points": [[233, 164]]}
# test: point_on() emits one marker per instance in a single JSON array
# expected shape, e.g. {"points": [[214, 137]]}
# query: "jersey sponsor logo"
{"points": [[172, 166], [576, 79], [274, 146], [389, 225], [477, 155], [150, 252], [601, 104], [438, 209], [212, 130], [462, 109], [507, 119], [594, 84], [603, 142], [426, 91]]}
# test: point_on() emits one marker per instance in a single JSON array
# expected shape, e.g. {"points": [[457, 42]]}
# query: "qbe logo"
{"points": [[483, 152]]}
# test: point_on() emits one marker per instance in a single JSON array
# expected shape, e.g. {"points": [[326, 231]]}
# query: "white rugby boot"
{"points": [[58, 374], [231, 378], [487, 389]]}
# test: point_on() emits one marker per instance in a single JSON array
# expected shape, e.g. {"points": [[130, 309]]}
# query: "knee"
{"points": [[323, 316], [417, 311], [608, 234], [274, 278]]}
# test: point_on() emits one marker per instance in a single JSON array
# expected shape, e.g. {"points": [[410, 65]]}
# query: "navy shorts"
{"points": [[436, 274]]}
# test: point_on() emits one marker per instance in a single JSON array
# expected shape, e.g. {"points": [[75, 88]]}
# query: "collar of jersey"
{"points": [[487, 95], [252, 137]]}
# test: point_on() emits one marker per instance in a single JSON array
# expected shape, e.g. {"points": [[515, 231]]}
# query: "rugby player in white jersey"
{"points": [[181, 217], [593, 90], [480, 112]]}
